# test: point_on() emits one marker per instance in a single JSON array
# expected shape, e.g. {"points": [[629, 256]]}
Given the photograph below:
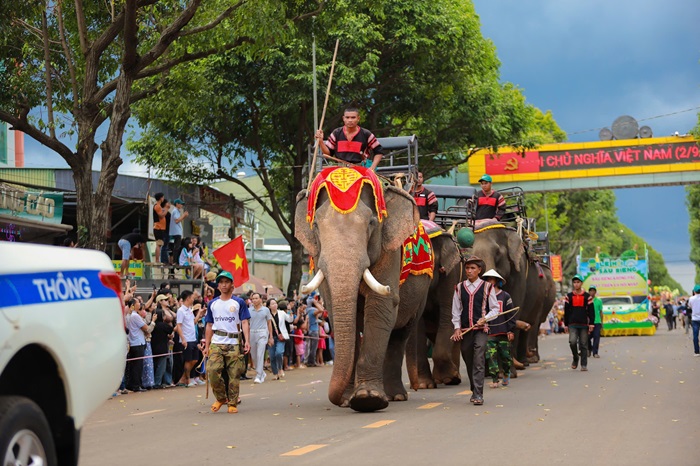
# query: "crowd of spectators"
{"points": [[165, 334]]}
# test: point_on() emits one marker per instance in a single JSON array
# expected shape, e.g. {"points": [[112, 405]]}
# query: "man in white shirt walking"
{"points": [[694, 304], [188, 336], [260, 334], [474, 302]]}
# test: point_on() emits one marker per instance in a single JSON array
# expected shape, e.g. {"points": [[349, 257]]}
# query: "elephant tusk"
{"points": [[374, 284], [314, 283]]}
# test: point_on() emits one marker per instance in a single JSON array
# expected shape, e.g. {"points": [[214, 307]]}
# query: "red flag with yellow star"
{"points": [[231, 257]]}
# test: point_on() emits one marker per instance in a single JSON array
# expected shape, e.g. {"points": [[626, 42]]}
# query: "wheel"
{"points": [[25, 436]]}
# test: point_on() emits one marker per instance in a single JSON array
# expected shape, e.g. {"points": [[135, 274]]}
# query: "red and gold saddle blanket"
{"points": [[417, 255], [344, 186]]}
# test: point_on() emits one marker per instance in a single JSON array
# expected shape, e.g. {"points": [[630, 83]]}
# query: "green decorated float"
{"points": [[623, 286]]}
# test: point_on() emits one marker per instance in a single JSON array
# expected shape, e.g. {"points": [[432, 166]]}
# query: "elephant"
{"points": [[357, 252], [531, 286], [541, 294], [436, 321]]}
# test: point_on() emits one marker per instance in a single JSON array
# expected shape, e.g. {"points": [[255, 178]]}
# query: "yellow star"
{"points": [[237, 262]]}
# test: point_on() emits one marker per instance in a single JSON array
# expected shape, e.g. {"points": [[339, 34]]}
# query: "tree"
{"points": [[73, 70], [692, 200], [411, 67]]}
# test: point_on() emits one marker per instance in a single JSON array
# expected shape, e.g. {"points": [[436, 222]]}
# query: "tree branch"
{"points": [[225, 14], [129, 36], [82, 29], [169, 35], [321, 4], [52, 143], [69, 57], [47, 71]]}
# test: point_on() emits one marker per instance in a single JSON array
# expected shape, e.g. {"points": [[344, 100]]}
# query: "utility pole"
{"points": [[232, 212]]}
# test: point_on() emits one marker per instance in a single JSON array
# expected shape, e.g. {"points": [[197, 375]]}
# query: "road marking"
{"points": [[379, 424], [465, 392], [429, 406], [303, 450], [147, 412]]}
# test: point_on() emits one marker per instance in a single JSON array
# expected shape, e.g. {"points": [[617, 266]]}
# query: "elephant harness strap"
{"points": [[344, 186]]}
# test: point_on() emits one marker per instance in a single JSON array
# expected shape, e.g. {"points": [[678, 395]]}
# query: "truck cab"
{"points": [[62, 348]]}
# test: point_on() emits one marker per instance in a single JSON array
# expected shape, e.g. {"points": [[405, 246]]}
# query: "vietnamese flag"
{"points": [[231, 257]]}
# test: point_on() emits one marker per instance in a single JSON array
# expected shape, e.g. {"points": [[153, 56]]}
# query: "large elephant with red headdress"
{"points": [[354, 229]]}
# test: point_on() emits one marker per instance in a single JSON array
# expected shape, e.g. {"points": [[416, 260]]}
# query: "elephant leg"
{"points": [[445, 353], [393, 385], [417, 358], [379, 320]]}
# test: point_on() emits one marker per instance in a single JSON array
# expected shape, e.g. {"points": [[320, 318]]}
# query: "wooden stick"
{"points": [[312, 168], [489, 320]]}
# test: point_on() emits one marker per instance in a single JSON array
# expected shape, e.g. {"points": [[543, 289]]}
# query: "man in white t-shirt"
{"points": [[227, 317], [694, 305], [188, 336]]}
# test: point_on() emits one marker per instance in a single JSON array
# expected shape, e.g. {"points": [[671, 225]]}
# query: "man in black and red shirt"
{"points": [[425, 199], [350, 142], [489, 203], [579, 318]]}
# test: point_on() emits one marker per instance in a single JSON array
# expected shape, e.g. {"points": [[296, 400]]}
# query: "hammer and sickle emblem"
{"points": [[512, 164]]}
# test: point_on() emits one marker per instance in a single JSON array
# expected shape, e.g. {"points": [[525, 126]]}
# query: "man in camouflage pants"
{"points": [[226, 317], [500, 332]]}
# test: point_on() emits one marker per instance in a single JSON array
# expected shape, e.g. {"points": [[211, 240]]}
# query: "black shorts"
{"points": [[159, 235], [191, 353]]}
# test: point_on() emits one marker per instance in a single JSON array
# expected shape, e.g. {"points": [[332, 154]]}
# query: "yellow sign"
{"points": [[589, 159], [135, 268]]}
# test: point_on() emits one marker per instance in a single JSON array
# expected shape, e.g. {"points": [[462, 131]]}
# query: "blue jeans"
{"points": [[159, 363], [696, 330], [276, 352], [594, 338], [580, 336]]}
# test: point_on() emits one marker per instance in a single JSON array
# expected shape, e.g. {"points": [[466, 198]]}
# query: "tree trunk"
{"points": [[297, 267]]}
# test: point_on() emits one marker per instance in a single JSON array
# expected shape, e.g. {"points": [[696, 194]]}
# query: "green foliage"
{"points": [[692, 201]]}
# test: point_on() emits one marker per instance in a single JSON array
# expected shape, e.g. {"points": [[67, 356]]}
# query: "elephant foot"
{"points": [[367, 400], [395, 391], [518, 365], [398, 397], [533, 359], [447, 376], [424, 383]]}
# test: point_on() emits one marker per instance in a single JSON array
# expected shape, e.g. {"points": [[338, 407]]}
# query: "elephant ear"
{"points": [[302, 229], [402, 218], [516, 249]]}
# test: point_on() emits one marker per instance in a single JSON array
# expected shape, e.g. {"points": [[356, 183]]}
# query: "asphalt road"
{"points": [[637, 405]]}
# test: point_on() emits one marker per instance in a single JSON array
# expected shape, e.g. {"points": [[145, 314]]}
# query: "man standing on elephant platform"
{"points": [[425, 199], [471, 300], [489, 203], [501, 332], [226, 316], [350, 142], [579, 321]]}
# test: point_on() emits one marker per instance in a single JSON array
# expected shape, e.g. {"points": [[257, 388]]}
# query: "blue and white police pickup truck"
{"points": [[62, 348]]}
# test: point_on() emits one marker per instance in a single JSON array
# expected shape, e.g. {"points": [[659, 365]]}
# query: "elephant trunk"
{"points": [[343, 299]]}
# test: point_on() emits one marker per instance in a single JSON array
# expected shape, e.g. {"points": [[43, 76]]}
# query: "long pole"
{"points": [[313, 62], [312, 168]]}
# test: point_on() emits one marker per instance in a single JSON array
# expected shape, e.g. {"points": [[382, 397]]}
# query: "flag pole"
{"points": [[312, 167]]}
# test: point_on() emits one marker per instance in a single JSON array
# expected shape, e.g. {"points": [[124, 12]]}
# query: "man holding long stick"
{"points": [[226, 315], [474, 302], [350, 142]]}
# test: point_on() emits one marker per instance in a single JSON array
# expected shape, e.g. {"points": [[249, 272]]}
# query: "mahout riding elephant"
{"points": [[529, 284], [354, 231], [436, 321]]}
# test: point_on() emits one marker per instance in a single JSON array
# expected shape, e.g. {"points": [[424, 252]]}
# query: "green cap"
{"points": [[179, 201], [486, 178], [577, 277], [224, 274], [696, 290], [593, 287]]}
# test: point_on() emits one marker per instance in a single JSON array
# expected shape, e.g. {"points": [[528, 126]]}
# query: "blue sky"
{"points": [[592, 61]]}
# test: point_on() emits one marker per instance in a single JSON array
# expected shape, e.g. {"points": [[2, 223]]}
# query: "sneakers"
{"points": [[584, 369], [263, 377], [192, 384], [596, 356], [200, 381], [506, 381], [696, 354], [257, 380]]}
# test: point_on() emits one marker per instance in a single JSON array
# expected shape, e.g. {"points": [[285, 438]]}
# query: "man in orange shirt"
{"points": [[159, 214]]}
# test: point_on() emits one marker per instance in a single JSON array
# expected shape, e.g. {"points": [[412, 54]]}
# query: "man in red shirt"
{"points": [[489, 203], [350, 142], [425, 199]]}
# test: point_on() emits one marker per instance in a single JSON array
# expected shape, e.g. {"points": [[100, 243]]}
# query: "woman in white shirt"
{"points": [[279, 336]]}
